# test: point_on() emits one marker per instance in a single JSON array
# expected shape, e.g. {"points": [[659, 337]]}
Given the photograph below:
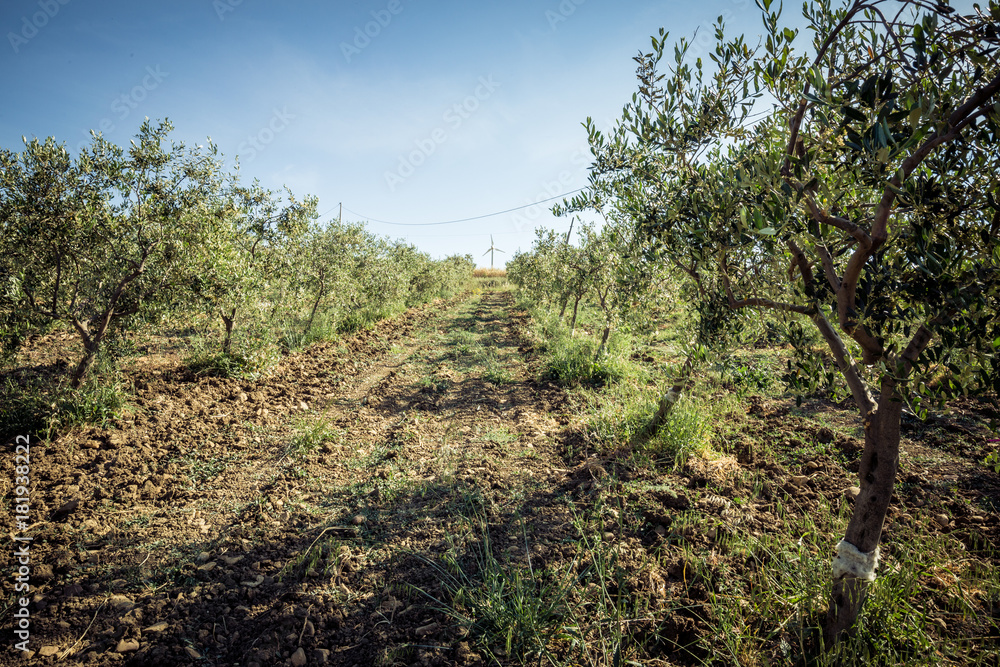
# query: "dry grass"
{"points": [[490, 273]]}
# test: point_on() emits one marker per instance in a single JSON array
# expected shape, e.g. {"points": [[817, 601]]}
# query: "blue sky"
{"points": [[405, 110]]}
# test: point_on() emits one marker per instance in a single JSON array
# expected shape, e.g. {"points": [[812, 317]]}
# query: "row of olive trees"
{"points": [[850, 182], [603, 268], [113, 235]]}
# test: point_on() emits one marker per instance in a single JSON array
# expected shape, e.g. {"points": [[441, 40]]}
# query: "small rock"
{"points": [[358, 520], [389, 605], [321, 656], [942, 520], [977, 519], [426, 629], [91, 444], [463, 654], [47, 651], [303, 406], [207, 567], [232, 560], [127, 646], [308, 629], [42, 572], [812, 465], [121, 603], [852, 492], [800, 480], [192, 653], [609, 536], [204, 556], [660, 530], [157, 627], [299, 657], [65, 509]]}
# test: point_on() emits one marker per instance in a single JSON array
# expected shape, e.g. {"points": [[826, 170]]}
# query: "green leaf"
{"points": [[769, 231], [854, 114]]}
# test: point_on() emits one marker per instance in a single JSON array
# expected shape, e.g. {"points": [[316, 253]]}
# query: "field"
{"points": [[423, 493]]}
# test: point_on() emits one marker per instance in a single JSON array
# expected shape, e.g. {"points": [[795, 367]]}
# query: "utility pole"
{"points": [[340, 217]]}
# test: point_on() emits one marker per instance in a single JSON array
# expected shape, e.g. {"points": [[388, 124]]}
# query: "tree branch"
{"points": [[756, 302], [849, 369], [827, 261], [796, 121], [843, 224], [799, 259]]}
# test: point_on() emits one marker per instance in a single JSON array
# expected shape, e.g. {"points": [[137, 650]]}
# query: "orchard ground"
{"points": [[419, 494]]}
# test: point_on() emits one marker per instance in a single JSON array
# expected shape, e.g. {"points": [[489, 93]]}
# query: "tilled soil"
{"points": [[229, 522], [325, 514]]}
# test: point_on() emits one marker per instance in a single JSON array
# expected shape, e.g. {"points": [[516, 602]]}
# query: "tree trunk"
{"points": [[91, 348], [91, 344], [669, 400], [572, 324], [312, 315], [228, 321], [604, 342], [562, 309], [853, 571]]}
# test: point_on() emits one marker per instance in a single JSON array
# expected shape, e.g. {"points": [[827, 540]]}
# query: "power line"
{"points": [[452, 222]]}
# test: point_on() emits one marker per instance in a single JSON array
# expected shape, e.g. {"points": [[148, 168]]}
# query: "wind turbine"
{"points": [[491, 250]]}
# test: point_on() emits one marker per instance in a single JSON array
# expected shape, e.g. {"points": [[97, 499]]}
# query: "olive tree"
{"points": [[865, 201], [90, 240], [244, 259], [332, 265]]}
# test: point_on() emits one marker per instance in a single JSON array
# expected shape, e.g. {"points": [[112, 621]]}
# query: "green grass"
{"points": [[570, 358], [45, 406], [310, 437], [500, 436], [576, 612], [496, 370], [252, 354], [789, 583]]}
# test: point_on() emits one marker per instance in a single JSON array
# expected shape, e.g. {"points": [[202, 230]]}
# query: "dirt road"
{"points": [[231, 522]]}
